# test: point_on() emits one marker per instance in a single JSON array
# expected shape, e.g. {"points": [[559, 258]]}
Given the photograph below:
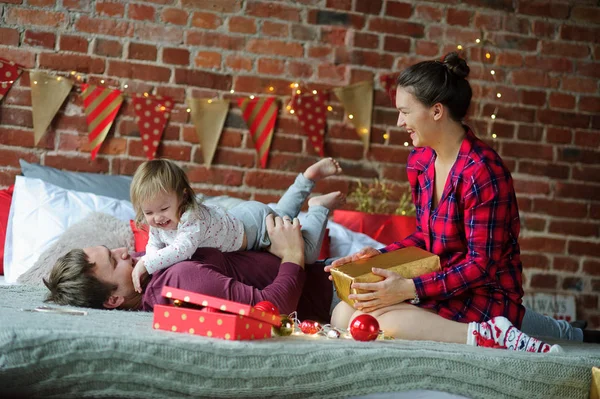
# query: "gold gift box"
{"points": [[409, 262]]}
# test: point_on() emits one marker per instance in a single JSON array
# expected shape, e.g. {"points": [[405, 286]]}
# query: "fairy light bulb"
{"points": [[493, 116], [314, 92], [252, 97], [162, 108], [492, 72], [292, 111], [125, 86], [288, 107], [494, 135], [406, 143], [188, 110], [478, 41], [329, 108], [498, 95], [350, 116], [232, 91], [35, 82], [298, 91], [488, 55], [59, 79], [459, 47], [145, 94], [102, 81], [271, 88], [73, 73], [210, 101]]}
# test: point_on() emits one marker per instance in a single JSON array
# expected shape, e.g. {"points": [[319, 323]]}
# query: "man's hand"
{"points": [[366, 252], [286, 239], [138, 272]]}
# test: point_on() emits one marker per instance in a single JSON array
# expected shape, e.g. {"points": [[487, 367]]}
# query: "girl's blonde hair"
{"points": [[160, 176]]}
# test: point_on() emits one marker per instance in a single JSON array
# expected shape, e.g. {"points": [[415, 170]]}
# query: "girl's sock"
{"points": [[499, 332]]}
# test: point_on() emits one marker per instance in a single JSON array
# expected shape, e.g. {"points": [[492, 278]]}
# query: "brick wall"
{"points": [[546, 63]]}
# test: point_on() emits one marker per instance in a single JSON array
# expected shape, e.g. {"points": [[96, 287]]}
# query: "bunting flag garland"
{"points": [[152, 115], [9, 73], [209, 118], [388, 82], [260, 114], [357, 100], [101, 106], [311, 111], [47, 95]]}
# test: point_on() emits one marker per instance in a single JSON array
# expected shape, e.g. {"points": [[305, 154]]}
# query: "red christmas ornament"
{"points": [[364, 328], [310, 327], [266, 306]]}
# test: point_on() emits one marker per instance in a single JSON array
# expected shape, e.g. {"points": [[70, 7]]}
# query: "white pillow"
{"points": [[41, 212]]}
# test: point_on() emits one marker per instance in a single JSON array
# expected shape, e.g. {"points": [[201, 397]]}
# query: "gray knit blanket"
{"points": [[117, 354]]}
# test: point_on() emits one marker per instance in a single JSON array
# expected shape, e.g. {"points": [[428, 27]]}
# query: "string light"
{"points": [[298, 91], [406, 143], [35, 82], [102, 81], [145, 94], [252, 97], [210, 101], [488, 55], [329, 108], [494, 136], [292, 111], [493, 116], [459, 47], [188, 110], [232, 91], [478, 41], [350, 116], [59, 78], [271, 88], [314, 92], [498, 95], [492, 72], [73, 73]]}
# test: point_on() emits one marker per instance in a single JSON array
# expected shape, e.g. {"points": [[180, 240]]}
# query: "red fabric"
{"points": [[474, 230], [324, 254], [140, 236], [5, 200], [383, 228]]}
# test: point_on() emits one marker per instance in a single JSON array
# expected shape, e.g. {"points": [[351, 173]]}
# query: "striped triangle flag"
{"points": [[260, 115], [101, 105], [9, 72]]}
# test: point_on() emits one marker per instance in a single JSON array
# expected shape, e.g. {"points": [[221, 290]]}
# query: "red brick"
{"points": [[275, 47], [489, 22], [359, 75], [206, 20], [579, 84], [580, 33], [242, 25], [174, 16], [565, 263], [543, 281], [334, 36], [558, 136], [572, 155], [335, 73], [71, 62], [563, 118], [203, 79], [17, 96], [458, 17], [339, 4], [275, 29], [177, 56], [591, 267], [580, 229], [428, 13], [532, 223], [238, 63], [535, 261], [435, 33], [531, 187], [544, 169], [560, 100], [40, 39], [585, 14], [366, 40], [304, 32], [544, 9], [78, 5], [11, 156], [272, 11], [395, 27], [232, 157], [220, 6], [214, 175], [533, 97], [528, 151], [369, 7], [208, 59], [396, 9], [543, 244], [513, 23], [42, 3], [103, 26], [141, 51], [530, 77], [159, 33], [9, 37], [544, 29], [139, 71], [589, 139], [141, 12], [108, 48], [271, 66], [300, 69], [429, 49], [584, 248], [76, 44], [563, 49], [320, 52], [211, 39], [550, 64], [77, 163], [396, 44], [25, 17], [110, 9], [589, 69]]}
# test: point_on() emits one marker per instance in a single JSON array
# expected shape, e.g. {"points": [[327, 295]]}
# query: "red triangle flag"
{"points": [[101, 106], [9, 73], [152, 116], [260, 113], [311, 111]]}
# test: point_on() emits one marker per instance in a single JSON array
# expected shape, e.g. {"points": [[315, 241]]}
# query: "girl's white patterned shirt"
{"points": [[208, 227]]}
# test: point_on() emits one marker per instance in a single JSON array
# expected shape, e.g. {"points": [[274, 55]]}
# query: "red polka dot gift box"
{"points": [[193, 313]]}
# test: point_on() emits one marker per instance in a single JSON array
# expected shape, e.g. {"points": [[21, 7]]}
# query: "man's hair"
{"points": [[72, 282], [160, 176]]}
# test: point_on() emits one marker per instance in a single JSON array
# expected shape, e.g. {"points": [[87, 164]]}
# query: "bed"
{"points": [[114, 354]]}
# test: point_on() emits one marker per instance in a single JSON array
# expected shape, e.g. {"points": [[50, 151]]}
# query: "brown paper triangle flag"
{"points": [[357, 100], [209, 118], [47, 95]]}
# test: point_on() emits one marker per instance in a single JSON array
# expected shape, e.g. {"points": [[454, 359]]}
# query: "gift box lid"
{"points": [[220, 304]]}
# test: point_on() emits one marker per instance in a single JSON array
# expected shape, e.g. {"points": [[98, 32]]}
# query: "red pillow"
{"points": [[5, 200], [140, 236], [324, 254]]}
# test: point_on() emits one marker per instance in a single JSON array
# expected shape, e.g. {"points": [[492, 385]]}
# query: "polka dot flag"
{"points": [[152, 116], [9, 72], [101, 105], [311, 111], [260, 114]]}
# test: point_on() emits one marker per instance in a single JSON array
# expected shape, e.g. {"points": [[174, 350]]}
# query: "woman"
{"points": [[467, 214]]}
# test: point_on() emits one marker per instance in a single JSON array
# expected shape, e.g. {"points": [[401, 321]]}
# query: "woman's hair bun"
{"points": [[456, 65]]}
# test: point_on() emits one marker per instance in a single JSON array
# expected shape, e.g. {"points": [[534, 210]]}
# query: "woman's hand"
{"points": [[139, 271], [286, 239], [390, 291], [366, 252]]}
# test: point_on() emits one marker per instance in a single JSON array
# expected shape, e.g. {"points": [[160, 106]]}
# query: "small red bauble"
{"points": [[364, 328], [310, 327], [268, 307]]}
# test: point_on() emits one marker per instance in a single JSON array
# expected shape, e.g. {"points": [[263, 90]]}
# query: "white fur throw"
{"points": [[95, 229]]}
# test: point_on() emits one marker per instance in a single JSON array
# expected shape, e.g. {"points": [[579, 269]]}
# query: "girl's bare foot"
{"points": [[324, 168], [330, 201]]}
